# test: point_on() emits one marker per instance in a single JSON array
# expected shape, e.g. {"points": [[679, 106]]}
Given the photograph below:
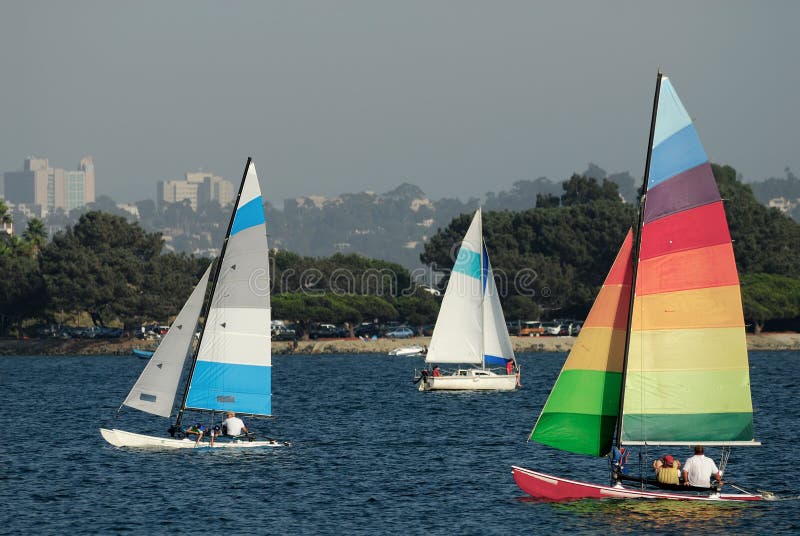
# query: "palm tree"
{"points": [[5, 215], [35, 235]]}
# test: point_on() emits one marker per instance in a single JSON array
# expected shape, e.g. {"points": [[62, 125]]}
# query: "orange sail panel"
{"points": [[687, 375], [580, 414]]}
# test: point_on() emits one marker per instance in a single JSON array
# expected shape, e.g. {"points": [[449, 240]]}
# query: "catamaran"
{"points": [[471, 328], [662, 357], [231, 365]]}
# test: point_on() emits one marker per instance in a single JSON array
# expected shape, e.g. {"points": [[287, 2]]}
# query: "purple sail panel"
{"points": [[692, 188]]}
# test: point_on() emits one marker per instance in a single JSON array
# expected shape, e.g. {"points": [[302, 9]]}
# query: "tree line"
{"points": [[549, 262], [569, 242]]}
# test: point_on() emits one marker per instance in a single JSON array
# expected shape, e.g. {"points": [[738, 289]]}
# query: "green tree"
{"points": [[768, 296], [100, 265], [22, 290], [5, 214], [764, 239], [36, 235]]}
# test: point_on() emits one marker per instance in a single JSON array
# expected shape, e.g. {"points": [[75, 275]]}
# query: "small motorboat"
{"points": [[410, 351]]}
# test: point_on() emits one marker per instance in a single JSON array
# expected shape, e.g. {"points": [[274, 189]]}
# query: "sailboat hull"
{"points": [[470, 380], [553, 488], [121, 438]]}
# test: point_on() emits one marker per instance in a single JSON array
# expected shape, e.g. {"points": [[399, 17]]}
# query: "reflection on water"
{"points": [[646, 514]]}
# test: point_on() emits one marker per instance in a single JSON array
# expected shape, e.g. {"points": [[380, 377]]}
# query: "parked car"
{"points": [[531, 328], [367, 329], [551, 328], [400, 333], [513, 327], [282, 333], [327, 331]]}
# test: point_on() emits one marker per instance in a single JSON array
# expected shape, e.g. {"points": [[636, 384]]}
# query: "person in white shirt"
{"points": [[698, 470], [233, 425]]}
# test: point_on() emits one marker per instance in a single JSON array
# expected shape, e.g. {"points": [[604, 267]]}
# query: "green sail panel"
{"points": [[580, 414]]}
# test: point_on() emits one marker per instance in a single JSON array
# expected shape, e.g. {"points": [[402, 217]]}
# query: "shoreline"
{"points": [[61, 347]]}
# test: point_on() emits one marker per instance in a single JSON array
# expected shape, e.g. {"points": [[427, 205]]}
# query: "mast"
{"points": [[207, 305], [637, 241], [483, 290]]}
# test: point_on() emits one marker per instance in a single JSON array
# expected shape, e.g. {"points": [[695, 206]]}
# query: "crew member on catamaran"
{"points": [[233, 425], [698, 470], [667, 470]]}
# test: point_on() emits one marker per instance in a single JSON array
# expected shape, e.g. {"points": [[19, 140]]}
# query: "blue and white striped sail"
{"points": [[233, 370], [458, 334]]}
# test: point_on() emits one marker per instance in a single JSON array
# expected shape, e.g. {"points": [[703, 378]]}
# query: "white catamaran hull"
{"points": [[121, 438], [469, 380]]}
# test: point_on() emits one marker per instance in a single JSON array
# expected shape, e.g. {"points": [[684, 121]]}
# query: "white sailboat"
{"points": [[231, 367], [471, 328]]}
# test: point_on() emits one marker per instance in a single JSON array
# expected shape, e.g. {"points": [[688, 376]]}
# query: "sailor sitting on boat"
{"points": [[667, 470], [233, 425], [698, 470]]}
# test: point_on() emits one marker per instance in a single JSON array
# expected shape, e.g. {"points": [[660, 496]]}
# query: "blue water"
{"points": [[370, 455]]}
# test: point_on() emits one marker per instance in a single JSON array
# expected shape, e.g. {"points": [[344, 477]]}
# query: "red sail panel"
{"points": [[711, 266], [695, 228]]}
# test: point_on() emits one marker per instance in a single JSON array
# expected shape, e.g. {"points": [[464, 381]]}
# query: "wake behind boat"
{"points": [[661, 359], [231, 366], [471, 328]]}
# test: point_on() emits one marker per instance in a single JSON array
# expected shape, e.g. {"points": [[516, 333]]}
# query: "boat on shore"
{"points": [[231, 365], [410, 351], [661, 360], [142, 354]]}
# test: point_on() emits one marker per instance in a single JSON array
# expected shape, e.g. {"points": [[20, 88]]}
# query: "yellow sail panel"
{"points": [[721, 306], [593, 342]]}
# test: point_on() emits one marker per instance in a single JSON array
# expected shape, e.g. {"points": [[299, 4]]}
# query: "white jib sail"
{"points": [[154, 391], [496, 342], [458, 334]]}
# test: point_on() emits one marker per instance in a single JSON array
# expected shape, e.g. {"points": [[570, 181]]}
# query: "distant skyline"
{"points": [[458, 97]]}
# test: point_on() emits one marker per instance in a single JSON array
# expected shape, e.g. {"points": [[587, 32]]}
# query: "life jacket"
{"points": [[668, 475]]}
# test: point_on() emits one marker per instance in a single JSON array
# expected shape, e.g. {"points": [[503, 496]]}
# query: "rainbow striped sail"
{"points": [[687, 377], [581, 413], [233, 369], [670, 368]]}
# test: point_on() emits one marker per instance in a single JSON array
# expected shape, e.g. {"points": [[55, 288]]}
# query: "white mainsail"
{"points": [[154, 391], [458, 334]]}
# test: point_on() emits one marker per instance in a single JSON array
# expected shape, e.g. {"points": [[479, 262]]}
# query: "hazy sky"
{"points": [[458, 97]]}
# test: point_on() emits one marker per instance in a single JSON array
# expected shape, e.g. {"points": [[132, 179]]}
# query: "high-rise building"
{"points": [[198, 188], [50, 188]]}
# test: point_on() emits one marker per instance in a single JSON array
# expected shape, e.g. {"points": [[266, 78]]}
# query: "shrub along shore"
{"points": [[58, 347]]}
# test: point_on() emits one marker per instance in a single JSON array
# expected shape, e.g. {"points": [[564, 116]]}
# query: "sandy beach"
{"points": [[765, 341]]}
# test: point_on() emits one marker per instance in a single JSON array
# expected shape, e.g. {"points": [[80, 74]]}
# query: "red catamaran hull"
{"points": [[553, 488]]}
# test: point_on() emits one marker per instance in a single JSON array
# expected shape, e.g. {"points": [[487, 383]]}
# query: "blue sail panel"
{"points": [[495, 360], [248, 215], [468, 263], [231, 387]]}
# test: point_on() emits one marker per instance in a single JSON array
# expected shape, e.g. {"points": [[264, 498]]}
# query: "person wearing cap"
{"points": [[698, 470], [196, 429], [667, 470]]}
